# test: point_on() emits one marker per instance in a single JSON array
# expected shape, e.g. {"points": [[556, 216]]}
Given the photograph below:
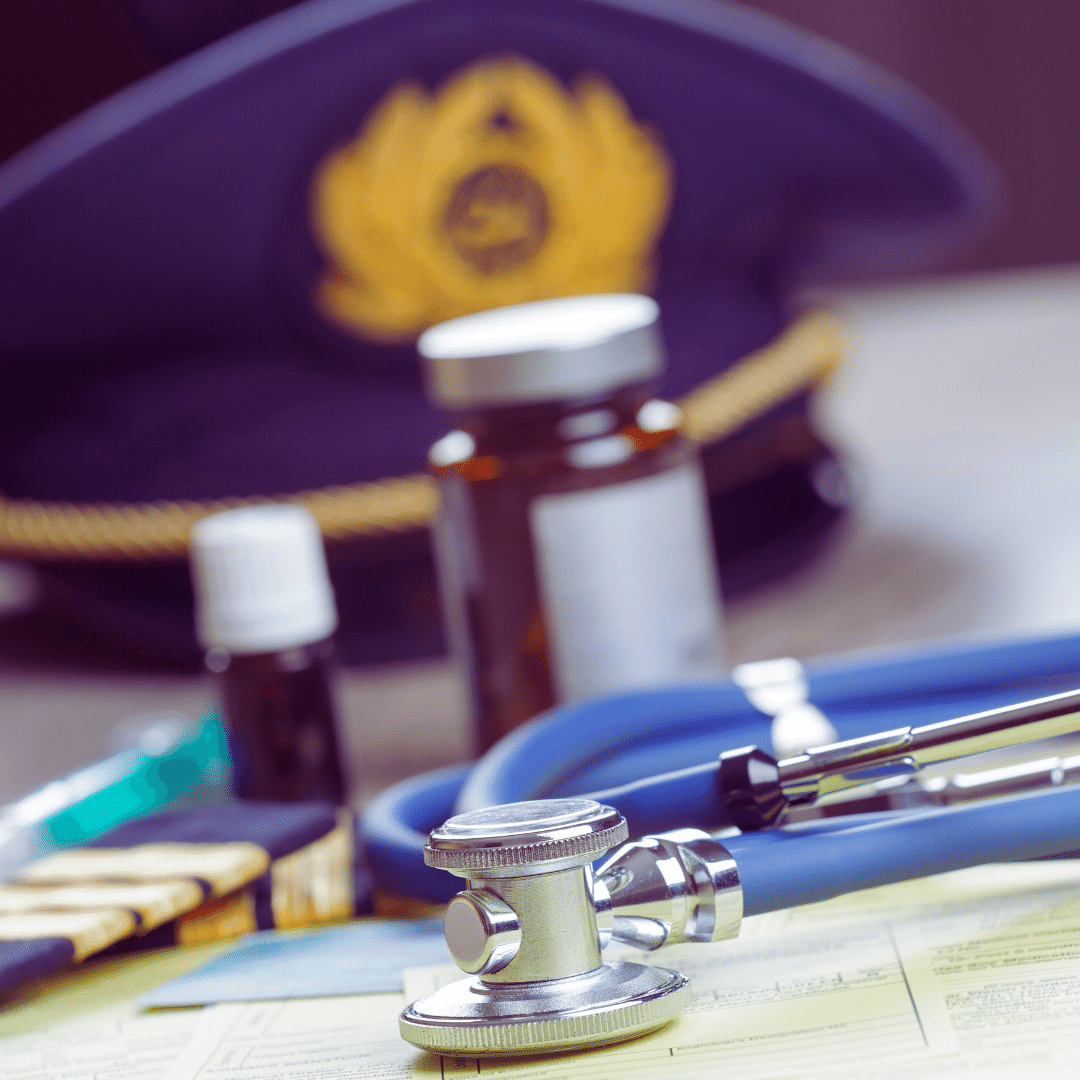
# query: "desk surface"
{"points": [[967, 974], [958, 411]]}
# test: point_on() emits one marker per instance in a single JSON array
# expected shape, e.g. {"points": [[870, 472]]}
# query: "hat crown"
{"points": [[261, 583]]}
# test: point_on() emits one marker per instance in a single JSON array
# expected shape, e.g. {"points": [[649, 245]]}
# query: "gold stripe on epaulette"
{"points": [[799, 359], [88, 931], [315, 884], [218, 919], [154, 903], [225, 867]]}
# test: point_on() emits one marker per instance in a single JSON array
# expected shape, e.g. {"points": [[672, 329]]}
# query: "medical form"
{"points": [[975, 973]]}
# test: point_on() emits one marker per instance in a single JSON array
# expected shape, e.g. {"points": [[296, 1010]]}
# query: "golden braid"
{"points": [[804, 355]]}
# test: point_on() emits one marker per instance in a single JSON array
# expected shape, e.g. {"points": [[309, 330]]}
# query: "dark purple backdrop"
{"points": [[1006, 68]]}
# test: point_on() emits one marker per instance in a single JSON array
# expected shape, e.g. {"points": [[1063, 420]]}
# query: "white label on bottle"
{"points": [[459, 573], [628, 583]]}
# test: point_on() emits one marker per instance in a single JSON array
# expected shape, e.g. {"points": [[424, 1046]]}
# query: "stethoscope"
{"points": [[535, 914]]}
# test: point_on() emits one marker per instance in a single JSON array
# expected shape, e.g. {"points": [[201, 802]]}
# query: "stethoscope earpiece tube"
{"points": [[598, 746], [802, 864], [795, 864], [740, 789], [693, 797], [612, 741]]}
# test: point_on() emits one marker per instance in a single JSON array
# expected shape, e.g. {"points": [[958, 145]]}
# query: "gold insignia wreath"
{"points": [[382, 206]]}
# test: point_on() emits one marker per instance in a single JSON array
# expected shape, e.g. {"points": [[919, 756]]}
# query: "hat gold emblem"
{"points": [[501, 187]]}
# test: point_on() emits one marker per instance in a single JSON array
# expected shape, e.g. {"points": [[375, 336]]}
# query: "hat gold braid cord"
{"points": [[803, 356]]}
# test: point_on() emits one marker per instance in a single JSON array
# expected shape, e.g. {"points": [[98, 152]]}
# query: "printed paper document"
{"points": [[975, 973]]}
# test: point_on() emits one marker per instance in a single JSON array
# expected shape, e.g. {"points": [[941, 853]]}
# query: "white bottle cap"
{"points": [[260, 580]]}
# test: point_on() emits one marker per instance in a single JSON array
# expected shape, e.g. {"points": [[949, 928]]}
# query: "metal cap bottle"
{"points": [[550, 349]]}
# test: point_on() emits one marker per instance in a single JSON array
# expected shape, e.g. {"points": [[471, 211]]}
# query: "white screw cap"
{"points": [[260, 580]]}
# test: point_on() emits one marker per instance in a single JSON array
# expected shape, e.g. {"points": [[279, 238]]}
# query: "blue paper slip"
{"points": [[358, 958]]}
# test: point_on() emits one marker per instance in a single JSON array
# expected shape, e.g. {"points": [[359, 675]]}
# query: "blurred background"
{"points": [[956, 407], [1006, 69]]}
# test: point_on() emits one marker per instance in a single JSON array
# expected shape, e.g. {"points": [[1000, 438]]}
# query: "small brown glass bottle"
{"points": [[265, 615], [573, 543]]}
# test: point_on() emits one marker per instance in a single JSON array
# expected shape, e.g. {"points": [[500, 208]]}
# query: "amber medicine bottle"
{"points": [[265, 614], [573, 543]]}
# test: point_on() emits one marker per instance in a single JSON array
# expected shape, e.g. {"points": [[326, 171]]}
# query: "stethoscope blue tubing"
{"points": [[616, 740], [612, 741], [794, 865]]}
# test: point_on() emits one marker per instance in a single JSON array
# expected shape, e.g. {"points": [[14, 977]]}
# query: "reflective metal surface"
{"points": [[559, 935], [911, 792], [482, 933], [841, 765], [532, 922], [504, 840], [614, 1002], [678, 886], [543, 351]]}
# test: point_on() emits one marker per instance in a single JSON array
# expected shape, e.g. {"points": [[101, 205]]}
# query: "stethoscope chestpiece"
{"points": [[529, 929]]}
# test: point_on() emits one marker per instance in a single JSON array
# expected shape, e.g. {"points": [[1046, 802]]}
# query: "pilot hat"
{"points": [[215, 279]]}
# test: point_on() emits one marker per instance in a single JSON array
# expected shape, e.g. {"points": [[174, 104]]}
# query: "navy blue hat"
{"points": [[213, 281]]}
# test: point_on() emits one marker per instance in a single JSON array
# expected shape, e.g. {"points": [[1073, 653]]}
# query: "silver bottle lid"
{"points": [[544, 351], [526, 834]]}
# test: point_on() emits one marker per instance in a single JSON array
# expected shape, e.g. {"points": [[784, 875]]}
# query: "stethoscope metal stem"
{"points": [[845, 764], [912, 792], [749, 788]]}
